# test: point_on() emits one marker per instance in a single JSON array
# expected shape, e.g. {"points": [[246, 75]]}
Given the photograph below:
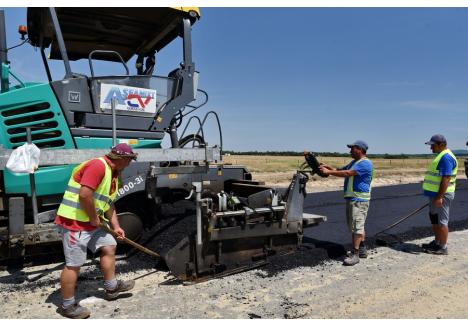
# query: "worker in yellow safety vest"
{"points": [[358, 176], [87, 202], [439, 186]]}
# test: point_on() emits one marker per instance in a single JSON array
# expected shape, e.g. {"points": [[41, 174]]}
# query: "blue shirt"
{"points": [[363, 178], [445, 167]]}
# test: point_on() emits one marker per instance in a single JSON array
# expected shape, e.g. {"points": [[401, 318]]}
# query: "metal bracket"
{"points": [[75, 156]]}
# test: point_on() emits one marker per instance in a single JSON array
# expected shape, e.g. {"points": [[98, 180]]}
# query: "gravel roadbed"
{"points": [[393, 282]]}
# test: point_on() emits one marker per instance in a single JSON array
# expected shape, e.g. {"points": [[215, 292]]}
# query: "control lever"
{"points": [[314, 164]]}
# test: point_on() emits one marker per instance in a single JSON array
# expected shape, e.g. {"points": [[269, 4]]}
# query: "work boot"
{"points": [[429, 245], [352, 259], [74, 311], [437, 250], [362, 251], [122, 286]]}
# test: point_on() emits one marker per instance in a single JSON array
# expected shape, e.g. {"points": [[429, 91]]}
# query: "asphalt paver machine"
{"points": [[239, 222]]}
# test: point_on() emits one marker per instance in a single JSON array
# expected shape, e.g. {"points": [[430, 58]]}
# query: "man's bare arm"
{"points": [[337, 173], [111, 215], [342, 173]]}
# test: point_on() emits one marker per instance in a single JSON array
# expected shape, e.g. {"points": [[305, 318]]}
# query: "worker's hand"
{"points": [[437, 202], [95, 221], [120, 232]]}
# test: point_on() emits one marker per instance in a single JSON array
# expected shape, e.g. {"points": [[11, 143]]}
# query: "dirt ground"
{"points": [[393, 282], [398, 281], [317, 184], [278, 170]]}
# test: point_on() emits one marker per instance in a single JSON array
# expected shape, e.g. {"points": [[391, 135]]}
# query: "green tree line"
{"points": [[330, 154]]}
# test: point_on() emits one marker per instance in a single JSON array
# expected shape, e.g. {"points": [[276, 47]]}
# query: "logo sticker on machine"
{"points": [[74, 97], [128, 98]]}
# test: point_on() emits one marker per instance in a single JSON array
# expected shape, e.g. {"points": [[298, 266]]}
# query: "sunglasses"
{"points": [[123, 153]]}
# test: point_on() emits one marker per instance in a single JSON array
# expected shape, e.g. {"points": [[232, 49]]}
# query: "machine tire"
{"points": [[131, 224]]}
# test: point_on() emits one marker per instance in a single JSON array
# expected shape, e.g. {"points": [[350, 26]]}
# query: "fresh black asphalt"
{"points": [[388, 204]]}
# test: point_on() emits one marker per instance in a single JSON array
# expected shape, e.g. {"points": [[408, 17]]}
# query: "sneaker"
{"points": [[437, 250], [362, 251], [429, 245], [74, 311], [122, 286], [351, 260]]}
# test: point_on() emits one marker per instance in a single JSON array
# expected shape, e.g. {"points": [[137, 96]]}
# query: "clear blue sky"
{"points": [[319, 78]]}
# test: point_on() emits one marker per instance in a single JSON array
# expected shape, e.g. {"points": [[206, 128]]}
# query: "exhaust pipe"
{"points": [[3, 53]]}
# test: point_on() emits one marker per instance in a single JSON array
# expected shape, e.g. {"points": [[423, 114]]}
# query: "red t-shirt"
{"points": [[90, 175]]}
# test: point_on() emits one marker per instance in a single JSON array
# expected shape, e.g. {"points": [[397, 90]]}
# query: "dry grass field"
{"points": [[278, 170]]}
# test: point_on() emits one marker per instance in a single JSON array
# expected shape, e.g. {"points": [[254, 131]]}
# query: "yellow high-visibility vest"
{"points": [[432, 178], [103, 199], [349, 192]]}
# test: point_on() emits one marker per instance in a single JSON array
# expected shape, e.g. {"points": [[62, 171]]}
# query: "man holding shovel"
{"points": [[88, 202]]}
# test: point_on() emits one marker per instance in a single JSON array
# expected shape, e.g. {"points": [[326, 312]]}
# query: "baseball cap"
{"points": [[436, 139], [122, 150], [359, 143]]}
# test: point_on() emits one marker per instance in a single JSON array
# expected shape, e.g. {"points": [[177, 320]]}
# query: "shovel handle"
{"points": [[128, 241]]}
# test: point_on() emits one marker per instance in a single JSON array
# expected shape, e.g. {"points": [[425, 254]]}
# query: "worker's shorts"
{"points": [[443, 211], [75, 244], [356, 213]]}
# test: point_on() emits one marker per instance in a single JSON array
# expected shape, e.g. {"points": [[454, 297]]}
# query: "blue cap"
{"points": [[359, 143], [436, 139]]}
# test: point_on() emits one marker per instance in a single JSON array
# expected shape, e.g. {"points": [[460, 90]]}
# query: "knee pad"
{"points": [[434, 218]]}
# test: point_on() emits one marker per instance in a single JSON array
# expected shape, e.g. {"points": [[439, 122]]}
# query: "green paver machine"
{"points": [[239, 222]]}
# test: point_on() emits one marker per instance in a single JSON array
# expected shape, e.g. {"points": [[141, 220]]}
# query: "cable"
{"points": [[26, 40]]}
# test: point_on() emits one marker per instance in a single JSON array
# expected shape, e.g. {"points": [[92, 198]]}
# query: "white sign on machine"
{"points": [[130, 99]]}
